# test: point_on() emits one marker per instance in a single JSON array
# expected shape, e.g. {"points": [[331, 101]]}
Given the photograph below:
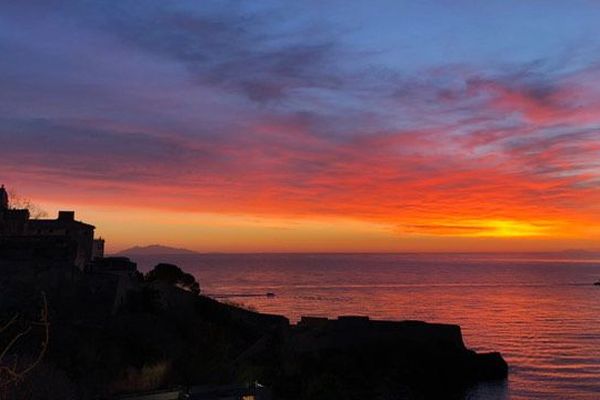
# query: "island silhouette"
{"points": [[153, 250]]}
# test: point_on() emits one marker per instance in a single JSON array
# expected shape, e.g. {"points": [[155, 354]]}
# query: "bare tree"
{"points": [[13, 369], [17, 201]]}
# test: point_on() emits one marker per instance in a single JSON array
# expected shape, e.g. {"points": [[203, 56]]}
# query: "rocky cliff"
{"points": [[162, 337]]}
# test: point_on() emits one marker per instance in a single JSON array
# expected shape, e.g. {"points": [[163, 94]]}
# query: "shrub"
{"points": [[173, 275]]}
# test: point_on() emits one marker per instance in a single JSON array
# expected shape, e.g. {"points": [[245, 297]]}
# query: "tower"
{"points": [[3, 198]]}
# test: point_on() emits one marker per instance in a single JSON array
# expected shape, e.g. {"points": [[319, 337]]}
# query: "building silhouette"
{"points": [[62, 240]]}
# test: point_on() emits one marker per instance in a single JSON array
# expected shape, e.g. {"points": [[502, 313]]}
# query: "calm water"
{"points": [[541, 311]]}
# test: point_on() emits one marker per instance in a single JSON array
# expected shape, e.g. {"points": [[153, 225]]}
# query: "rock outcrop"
{"points": [[161, 336], [355, 357]]}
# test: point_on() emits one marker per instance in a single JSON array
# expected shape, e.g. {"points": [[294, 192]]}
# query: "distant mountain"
{"points": [[154, 249]]}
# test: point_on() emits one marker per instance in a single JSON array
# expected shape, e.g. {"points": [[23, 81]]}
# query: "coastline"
{"points": [[183, 340]]}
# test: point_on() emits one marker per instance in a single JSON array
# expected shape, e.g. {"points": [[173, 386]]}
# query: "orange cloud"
{"points": [[468, 173]]}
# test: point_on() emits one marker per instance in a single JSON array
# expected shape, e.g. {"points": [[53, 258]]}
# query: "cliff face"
{"points": [[349, 331], [354, 357], [162, 337]]}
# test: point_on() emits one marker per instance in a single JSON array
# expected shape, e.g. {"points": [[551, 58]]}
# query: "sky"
{"points": [[362, 126]]}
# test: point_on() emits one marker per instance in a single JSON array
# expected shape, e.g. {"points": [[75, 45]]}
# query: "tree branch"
{"points": [[14, 374]]}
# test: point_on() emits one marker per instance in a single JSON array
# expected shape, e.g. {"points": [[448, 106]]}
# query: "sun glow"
{"points": [[512, 228]]}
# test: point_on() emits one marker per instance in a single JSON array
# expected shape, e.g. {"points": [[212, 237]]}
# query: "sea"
{"points": [[540, 310]]}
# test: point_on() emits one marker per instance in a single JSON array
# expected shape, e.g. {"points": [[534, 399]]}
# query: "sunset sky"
{"points": [[308, 126]]}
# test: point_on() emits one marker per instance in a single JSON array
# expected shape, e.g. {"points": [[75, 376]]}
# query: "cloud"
{"points": [[246, 52], [177, 106]]}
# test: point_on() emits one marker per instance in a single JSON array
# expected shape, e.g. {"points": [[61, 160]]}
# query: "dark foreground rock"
{"points": [[361, 358], [158, 337]]}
